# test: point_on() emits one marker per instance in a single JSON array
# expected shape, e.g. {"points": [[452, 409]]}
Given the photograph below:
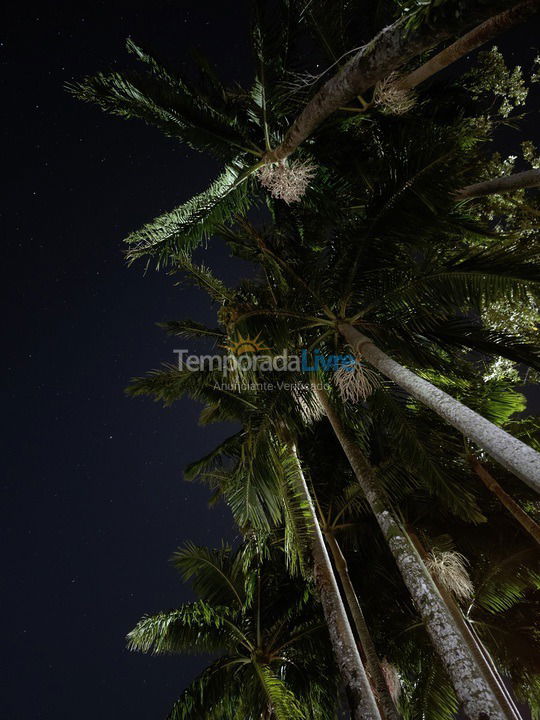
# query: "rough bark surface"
{"points": [[472, 40], [526, 521], [344, 645], [472, 689], [507, 183], [510, 452], [388, 50], [479, 652], [373, 664]]}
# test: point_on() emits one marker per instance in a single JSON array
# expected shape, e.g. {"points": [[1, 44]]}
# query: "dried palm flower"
{"points": [[285, 180], [393, 681], [449, 568], [392, 97], [357, 383]]}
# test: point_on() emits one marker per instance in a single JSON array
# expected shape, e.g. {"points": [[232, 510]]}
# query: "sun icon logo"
{"points": [[243, 345]]}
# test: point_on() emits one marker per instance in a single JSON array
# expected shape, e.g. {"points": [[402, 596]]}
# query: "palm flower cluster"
{"points": [[287, 181], [392, 96], [388, 562], [357, 383]]}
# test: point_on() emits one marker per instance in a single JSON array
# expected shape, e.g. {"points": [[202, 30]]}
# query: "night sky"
{"points": [[93, 497]]}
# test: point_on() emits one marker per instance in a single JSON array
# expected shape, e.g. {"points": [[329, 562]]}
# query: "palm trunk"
{"points": [[510, 452], [472, 688], [526, 521], [390, 49], [472, 40], [341, 636], [480, 653], [507, 183], [373, 663]]}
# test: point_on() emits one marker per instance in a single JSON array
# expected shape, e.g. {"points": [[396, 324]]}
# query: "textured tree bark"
{"points": [[373, 664], [507, 183], [472, 40], [479, 652], [472, 689], [510, 452], [526, 521], [391, 48], [341, 636]]}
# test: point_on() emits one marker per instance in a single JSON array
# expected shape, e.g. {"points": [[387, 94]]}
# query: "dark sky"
{"points": [[93, 495], [94, 499]]}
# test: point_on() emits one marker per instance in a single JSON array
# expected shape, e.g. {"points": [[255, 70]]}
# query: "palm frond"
{"points": [[195, 627], [181, 230], [215, 575]]}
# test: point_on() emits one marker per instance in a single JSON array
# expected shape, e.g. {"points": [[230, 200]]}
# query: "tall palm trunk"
{"points": [[472, 688], [391, 48], [510, 452], [341, 635], [373, 663], [480, 653], [475, 38], [526, 521], [507, 183]]}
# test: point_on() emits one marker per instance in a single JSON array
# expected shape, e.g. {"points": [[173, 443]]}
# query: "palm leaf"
{"points": [[181, 230]]}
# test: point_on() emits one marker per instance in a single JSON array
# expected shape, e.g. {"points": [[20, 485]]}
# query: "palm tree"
{"points": [[480, 35], [517, 457], [496, 399], [273, 655], [266, 487], [381, 279], [471, 685], [392, 48], [243, 129]]}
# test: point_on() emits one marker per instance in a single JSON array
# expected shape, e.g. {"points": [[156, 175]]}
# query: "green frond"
{"points": [[190, 329], [507, 581], [183, 229], [215, 575], [431, 696], [211, 696], [297, 519], [203, 277], [215, 460], [195, 627], [285, 705], [167, 101]]}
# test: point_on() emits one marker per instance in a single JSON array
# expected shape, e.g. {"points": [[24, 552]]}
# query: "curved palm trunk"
{"points": [[472, 40], [388, 50], [341, 636], [507, 183], [472, 688], [510, 452], [373, 663], [526, 521], [480, 653]]}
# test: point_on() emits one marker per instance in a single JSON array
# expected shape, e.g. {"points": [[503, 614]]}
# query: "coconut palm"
{"points": [[273, 660]]}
